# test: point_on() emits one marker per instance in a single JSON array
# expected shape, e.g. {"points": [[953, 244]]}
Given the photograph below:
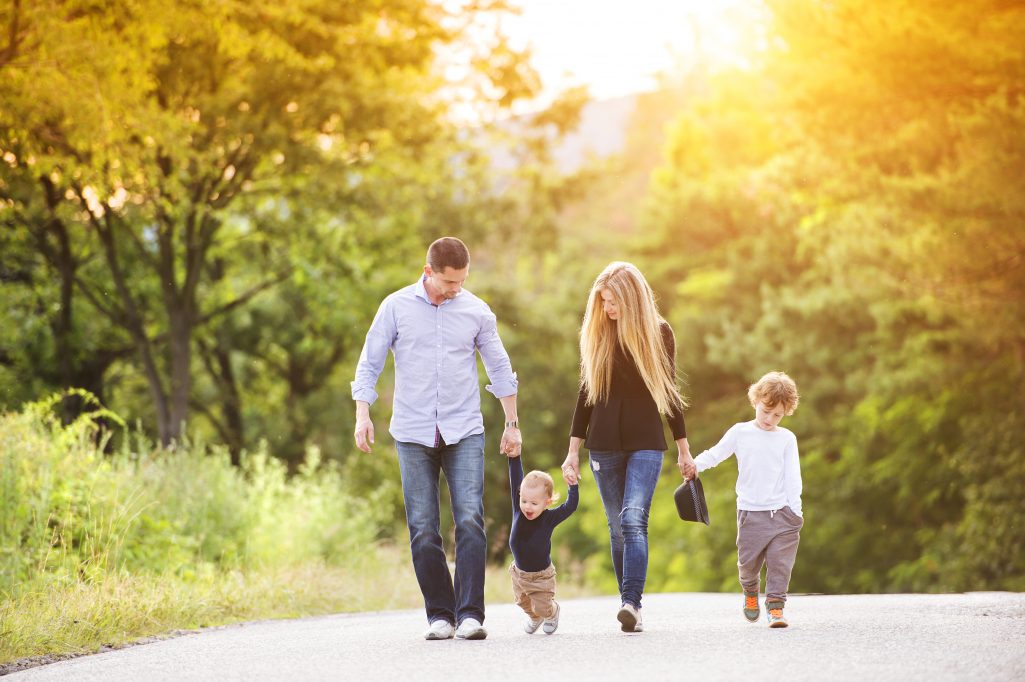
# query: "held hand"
{"points": [[688, 469], [571, 469], [364, 433], [512, 442]]}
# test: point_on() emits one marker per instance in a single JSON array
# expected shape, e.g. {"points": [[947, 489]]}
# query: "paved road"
{"points": [[692, 637]]}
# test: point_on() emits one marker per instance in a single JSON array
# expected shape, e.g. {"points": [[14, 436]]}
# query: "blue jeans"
{"points": [[463, 464], [626, 482]]}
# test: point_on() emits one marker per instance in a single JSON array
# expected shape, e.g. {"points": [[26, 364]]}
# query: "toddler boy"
{"points": [[530, 539]]}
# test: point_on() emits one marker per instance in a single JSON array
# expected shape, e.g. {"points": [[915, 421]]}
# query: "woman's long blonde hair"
{"points": [[637, 331]]}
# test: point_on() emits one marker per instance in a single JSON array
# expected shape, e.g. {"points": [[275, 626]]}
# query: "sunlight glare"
{"points": [[618, 48]]}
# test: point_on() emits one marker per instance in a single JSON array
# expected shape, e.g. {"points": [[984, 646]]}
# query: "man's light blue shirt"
{"points": [[436, 384]]}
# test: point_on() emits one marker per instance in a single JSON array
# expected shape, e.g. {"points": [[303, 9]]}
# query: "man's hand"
{"points": [[512, 441], [364, 428]]}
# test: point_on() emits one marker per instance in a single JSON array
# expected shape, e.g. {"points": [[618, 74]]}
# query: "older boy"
{"points": [[769, 515]]}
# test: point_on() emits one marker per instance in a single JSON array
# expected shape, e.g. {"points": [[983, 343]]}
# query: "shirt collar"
{"points": [[420, 291]]}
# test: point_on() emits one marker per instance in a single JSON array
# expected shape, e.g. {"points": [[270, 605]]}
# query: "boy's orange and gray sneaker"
{"points": [[629, 616], [775, 614], [751, 609], [552, 624], [531, 625]]}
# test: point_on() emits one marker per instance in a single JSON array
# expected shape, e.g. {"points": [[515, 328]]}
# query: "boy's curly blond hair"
{"points": [[775, 388]]}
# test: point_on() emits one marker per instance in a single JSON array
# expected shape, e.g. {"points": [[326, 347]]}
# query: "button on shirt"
{"points": [[435, 346]]}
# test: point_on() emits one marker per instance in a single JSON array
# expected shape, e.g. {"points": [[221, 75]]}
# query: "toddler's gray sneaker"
{"points": [[552, 624]]}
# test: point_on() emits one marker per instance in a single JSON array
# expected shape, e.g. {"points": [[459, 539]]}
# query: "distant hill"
{"points": [[602, 132]]}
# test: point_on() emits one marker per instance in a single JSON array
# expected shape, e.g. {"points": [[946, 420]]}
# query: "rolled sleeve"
{"points": [[496, 360]]}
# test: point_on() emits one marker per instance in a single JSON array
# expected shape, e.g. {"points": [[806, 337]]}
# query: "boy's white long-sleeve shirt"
{"points": [[769, 468]]}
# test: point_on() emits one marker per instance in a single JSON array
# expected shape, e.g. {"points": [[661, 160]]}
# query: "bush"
{"points": [[71, 512]]}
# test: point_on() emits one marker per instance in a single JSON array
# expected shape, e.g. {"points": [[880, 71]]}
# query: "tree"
{"points": [[155, 131], [822, 201]]}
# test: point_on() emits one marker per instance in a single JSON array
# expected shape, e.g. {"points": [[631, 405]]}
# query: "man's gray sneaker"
{"points": [[440, 629], [531, 625], [471, 628]]}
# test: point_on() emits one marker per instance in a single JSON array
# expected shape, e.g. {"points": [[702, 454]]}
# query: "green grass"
{"points": [[83, 616], [100, 549]]}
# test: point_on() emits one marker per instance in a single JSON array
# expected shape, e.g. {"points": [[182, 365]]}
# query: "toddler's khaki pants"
{"points": [[534, 591]]}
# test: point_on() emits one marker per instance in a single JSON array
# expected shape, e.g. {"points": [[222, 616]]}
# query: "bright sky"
{"points": [[616, 46]]}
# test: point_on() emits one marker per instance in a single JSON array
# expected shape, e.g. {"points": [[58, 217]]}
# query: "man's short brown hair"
{"points": [[448, 252]]}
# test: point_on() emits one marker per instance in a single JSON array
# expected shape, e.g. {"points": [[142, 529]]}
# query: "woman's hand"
{"points": [[571, 468], [688, 469]]}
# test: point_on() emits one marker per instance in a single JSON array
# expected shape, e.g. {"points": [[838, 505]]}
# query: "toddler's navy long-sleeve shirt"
{"points": [[531, 539]]}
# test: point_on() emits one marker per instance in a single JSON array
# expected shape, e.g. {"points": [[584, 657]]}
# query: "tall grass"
{"points": [[99, 548]]}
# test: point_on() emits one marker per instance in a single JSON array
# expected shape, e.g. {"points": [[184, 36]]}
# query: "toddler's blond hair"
{"points": [[540, 478]]}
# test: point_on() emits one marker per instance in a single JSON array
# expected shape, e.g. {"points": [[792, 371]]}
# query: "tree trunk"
{"points": [[229, 424], [131, 319], [74, 369], [180, 347], [231, 407]]}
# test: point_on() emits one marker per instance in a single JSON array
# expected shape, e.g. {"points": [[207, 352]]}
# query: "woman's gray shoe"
{"points": [[628, 617]]}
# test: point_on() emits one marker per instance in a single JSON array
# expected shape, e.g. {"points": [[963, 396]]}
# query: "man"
{"points": [[434, 328]]}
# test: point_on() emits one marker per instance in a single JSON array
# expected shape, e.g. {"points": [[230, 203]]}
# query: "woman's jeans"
{"points": [[463, 464], [626, 483]]}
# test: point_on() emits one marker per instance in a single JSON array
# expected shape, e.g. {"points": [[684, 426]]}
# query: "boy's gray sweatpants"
{"points": [[770, 538]]}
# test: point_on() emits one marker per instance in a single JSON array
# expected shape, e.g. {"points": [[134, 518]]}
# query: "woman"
{"points": [[627, 382]]}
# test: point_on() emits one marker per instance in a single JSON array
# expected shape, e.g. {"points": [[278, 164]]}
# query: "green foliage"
{"points": [[165, 165], [849, 209], [853, 216], [73, 513]]}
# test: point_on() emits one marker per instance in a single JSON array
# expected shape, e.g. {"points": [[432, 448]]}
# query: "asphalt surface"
{"points": [[974, 636]]}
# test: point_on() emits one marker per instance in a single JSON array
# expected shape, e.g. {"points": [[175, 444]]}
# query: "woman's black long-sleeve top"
{"points": [[628, 419]]}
